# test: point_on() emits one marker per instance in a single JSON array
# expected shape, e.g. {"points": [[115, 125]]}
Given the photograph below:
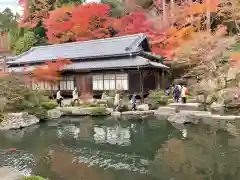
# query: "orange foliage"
{"points": [[88, 21], [167, 34], [34, 12], [75, 23], [50, 72]]}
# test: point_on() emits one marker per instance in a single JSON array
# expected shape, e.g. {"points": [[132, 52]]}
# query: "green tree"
{"points": [[117, 7], [8, 20], [24, 43]]}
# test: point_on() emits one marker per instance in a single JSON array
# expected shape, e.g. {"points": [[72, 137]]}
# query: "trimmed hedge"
{"points": [[34, 178]]}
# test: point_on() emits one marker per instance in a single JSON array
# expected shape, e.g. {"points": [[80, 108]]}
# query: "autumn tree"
{"points": [[50, 71], [35, 11], [75, 23]]}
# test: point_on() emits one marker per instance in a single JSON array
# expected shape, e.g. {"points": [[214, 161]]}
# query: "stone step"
{"points": [[185, 105], [7, 173]]}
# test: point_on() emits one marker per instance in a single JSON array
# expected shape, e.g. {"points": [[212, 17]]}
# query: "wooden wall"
{"points": [[139, 81]]}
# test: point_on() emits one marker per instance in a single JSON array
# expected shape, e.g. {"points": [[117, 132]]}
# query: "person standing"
{"points": [[176, 93], [59, 98], [116, 101], [168, 91], [134, 102], [75, 96], [184, 94]]}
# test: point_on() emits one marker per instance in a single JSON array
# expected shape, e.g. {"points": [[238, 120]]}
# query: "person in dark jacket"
{"points": [[176, 93], [134, 102]]}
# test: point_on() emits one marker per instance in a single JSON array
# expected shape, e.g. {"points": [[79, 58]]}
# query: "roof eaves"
{"points": [[78, 58]]}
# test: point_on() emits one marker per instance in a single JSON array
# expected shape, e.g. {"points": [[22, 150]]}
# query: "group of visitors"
{"points": [[179, 91], [74, 97], [117, 102]]}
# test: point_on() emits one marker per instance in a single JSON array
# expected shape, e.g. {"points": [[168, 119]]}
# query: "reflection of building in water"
{"points": [[70, 130], [112, 135], [86, 129]]}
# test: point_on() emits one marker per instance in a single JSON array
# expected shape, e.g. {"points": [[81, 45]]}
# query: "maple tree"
{"points": [[35, 11], [50, 71], [75, 23], [167, 36]]}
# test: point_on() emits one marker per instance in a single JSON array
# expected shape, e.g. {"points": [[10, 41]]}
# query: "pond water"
{"points": [[111, 149]]}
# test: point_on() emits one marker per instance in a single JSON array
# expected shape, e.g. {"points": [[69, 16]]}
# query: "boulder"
{"points": [[109, 110], [54, 113], [143, 107], [185, 116], [165, 111], [82, 111], [116, 113], [7, 173], [182, 118], [18, 120], [216, 107]]}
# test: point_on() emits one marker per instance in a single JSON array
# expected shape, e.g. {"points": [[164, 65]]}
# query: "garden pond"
{"points": [[113, 149]]}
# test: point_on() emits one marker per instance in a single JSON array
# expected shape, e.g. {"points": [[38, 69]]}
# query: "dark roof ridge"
{"points": [[77, 42], [136, 42], [87, 41]]}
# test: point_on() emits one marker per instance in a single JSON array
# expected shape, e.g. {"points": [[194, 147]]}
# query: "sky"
{"points": [[14, 6]]}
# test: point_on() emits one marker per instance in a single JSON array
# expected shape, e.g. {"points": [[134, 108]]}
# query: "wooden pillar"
{"points": [[158, 84], [141, 85], [163, 79]]}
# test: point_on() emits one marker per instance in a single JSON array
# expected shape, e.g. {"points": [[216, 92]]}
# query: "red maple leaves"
{"points": [[75, 23], [50, 72]]}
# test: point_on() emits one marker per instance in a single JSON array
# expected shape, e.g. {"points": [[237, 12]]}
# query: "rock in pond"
{"points": [[54, 113], [185, 116], [7, 173], [116, 113], [143, 107], [165, 111], [18, 120]]}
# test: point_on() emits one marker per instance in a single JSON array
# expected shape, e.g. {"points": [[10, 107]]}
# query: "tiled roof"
{"points": [[127, 62], [116, 46]]}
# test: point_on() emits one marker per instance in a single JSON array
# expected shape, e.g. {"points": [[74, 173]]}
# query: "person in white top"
{"points": [[75, 96], [117, 100], [59, 98], [184, 92]]}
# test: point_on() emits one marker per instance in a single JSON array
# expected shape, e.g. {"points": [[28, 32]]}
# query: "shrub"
{"points": [[99, 111], [123, 108], [157, 98], [34, 178], [51, 104], [20, 97]]}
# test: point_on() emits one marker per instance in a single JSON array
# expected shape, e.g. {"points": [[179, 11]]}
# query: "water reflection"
{"points": [[138, 150], [112, 135], [19, 160]]}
